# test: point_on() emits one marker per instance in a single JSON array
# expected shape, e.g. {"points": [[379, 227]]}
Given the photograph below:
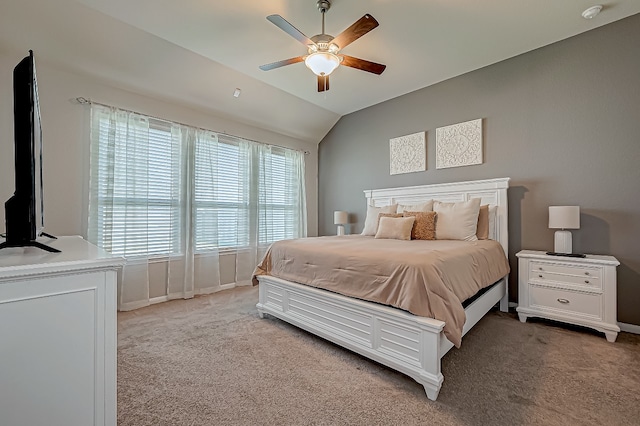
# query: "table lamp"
{"points": [[340, 218], [563, 218]]}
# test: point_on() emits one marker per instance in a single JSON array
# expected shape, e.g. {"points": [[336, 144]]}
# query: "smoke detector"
{"points": [[591, 12]]}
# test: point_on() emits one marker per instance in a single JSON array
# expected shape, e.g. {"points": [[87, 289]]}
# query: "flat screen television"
{"points": [[24, 211]]}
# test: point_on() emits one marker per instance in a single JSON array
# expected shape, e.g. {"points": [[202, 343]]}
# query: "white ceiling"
{"points": [[198, 51]]}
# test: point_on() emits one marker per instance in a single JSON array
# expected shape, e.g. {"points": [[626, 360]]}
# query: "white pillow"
{"points": [[398, 228], [371, 221], [457, 221], [427, 206]]}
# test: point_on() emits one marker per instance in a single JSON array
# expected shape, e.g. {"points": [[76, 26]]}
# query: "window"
{"points": [[279, 200], [157, 186], [221, 207], [137, 195], [242, 191]]}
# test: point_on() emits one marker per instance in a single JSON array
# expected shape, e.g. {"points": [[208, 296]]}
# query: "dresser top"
{"points": [[591, 258], [75, 254]]}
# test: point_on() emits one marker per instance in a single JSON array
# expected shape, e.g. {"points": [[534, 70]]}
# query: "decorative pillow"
{"points": [[398, 228], [457, 221], [427, 206], [387, 215], [371, 222], [487, 222], [482, 231], [424, 228]]}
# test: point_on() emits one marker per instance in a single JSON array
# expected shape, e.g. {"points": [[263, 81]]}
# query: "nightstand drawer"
{"points": [[545, 298], [587, 277], [577, 270]]}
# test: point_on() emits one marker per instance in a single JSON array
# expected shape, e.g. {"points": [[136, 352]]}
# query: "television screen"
{"points": [[24, 211], [37, 155]]}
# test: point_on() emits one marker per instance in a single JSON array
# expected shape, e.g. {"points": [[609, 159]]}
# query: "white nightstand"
{"points": [[579, 291]]}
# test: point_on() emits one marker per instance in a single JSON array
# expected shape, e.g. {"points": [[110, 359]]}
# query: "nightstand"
{"points": [[579, 291]]}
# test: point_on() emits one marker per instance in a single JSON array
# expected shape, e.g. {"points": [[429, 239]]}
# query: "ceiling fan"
{"points": [[324, 50]]}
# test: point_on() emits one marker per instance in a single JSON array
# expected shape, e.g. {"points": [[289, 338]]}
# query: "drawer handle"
{"points": [[540, 268], [586, 281], [563, 301], [539, 276], [586, 273]]}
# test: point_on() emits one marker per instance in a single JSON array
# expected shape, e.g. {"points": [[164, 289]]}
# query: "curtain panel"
{"points": [[169, 194]]}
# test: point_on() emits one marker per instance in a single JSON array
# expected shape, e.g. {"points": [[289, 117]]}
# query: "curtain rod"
{"points": [[84, 101]]}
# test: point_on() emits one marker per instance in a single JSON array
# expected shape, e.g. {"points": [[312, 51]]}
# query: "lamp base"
{"points": [[562, 242], [340, 229]]}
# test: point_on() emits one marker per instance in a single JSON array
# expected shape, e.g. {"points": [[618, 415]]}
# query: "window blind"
{"points": [[221, 187]]}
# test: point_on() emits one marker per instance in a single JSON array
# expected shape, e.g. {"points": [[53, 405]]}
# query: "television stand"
{"points": [[58, 346], [29, 244], [44, 234]]}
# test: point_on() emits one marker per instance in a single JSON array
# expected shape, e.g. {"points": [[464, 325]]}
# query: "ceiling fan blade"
{"points": [[355, 31], [282, 63], [323, 83], [362, 64], [285, 26]]}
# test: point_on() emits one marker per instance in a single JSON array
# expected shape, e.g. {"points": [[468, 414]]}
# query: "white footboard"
{"points": [[407, 343]]}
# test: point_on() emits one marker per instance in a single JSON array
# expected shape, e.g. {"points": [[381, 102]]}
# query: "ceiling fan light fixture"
{"points": [[322, 63]]}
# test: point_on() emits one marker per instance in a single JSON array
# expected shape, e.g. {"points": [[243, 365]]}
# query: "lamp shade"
{"points": [[564, 217], [340, 218], [322, 63]]}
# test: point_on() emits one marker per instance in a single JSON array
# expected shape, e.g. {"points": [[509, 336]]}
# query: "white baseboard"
{"points": [[629, 328], [158, 299], [211, 290], [130, 306], [189, 295]]}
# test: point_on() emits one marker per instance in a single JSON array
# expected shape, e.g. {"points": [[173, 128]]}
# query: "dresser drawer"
{"points": [[571, 302], [587, 277]]}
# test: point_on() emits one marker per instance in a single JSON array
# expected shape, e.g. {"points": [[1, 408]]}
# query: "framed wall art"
{"points": [[459, 144], [408, 154]]}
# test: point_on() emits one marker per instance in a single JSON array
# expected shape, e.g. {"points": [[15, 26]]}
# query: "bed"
{"points": [[408, 343]]}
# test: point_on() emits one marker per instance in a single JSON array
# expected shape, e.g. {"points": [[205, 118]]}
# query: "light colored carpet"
{"points": [[212, 361]]}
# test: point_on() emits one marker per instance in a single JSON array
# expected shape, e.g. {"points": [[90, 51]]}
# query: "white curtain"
{"points": [[277, 199], [173, 199]]}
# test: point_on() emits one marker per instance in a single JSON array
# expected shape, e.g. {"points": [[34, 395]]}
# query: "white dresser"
{"points": [[58, 335], [575, 290]]}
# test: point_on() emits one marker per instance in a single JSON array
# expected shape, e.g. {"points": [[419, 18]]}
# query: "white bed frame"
{"points": [[407, 343]]}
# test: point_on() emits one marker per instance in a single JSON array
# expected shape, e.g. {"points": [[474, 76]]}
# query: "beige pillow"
{"points": [[427, 206], [482, 231], [387, 215], [371, 221], [487, 222], [457, 221], [398, 228], [424, 228]]}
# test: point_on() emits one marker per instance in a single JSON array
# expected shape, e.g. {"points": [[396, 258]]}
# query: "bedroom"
{"points": [[561, 121]]}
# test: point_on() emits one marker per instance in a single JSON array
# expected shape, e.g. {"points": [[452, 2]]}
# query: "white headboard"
{"points": [[490, 191]]}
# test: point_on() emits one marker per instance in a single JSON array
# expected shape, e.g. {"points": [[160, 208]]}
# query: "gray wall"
{"points": [[562, 121]]}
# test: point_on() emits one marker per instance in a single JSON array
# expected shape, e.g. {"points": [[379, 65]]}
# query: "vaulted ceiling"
{"points": [[198, 52]]}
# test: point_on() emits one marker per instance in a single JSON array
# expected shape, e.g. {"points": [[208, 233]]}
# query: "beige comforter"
{"points": [[426, 278]]}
